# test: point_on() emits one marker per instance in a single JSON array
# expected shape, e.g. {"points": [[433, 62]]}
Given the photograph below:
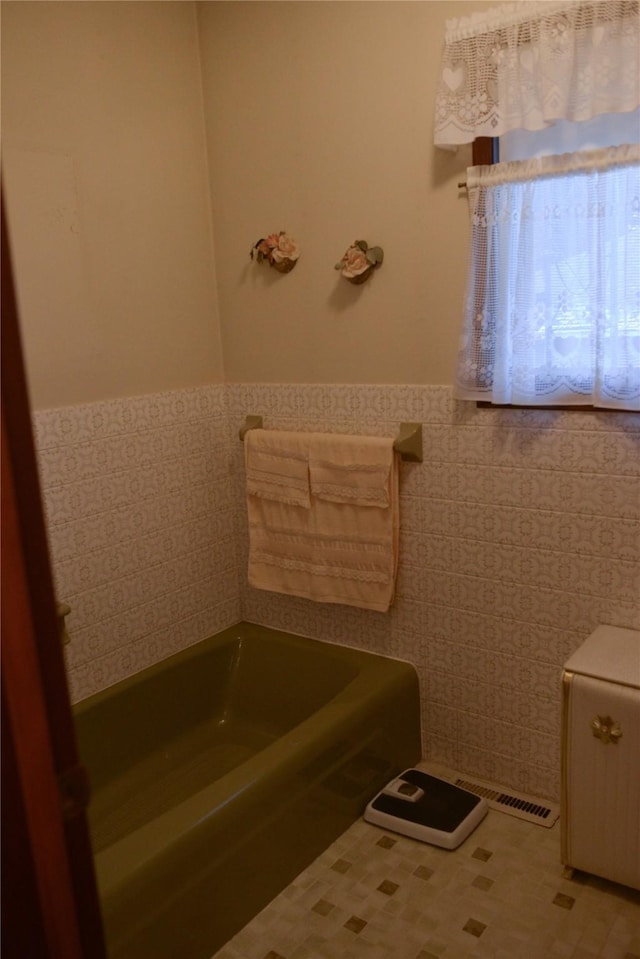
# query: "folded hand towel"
{"points": [[350, 469], [337, 551], [277, 466]]}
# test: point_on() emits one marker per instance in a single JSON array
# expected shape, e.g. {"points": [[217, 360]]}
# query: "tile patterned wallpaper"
{"points": [[141, 528], [520, 534]]}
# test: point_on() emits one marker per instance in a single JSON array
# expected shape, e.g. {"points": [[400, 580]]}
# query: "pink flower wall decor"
{"points": [[278, 249], [360, 260]]}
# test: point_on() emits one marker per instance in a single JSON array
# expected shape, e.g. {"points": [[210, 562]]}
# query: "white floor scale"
{"points": [[427, 808]]}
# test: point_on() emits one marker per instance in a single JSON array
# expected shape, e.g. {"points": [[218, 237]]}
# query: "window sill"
{"points": [[484, 404]]}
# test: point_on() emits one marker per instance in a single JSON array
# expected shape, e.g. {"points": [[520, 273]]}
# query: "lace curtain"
{"points": [[552, 313], [525, 65]]}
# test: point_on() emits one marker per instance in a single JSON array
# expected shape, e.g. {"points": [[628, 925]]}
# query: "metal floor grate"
{"points": [[515, 804]]}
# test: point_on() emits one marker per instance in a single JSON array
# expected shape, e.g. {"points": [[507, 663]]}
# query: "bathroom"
{"points": [[147, 146]]}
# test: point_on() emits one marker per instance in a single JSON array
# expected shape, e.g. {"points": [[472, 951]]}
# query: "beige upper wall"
{"points": [[319, 118], [105, 175]]}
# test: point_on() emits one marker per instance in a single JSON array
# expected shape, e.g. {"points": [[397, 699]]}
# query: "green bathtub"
{"points": [[222, 772]]}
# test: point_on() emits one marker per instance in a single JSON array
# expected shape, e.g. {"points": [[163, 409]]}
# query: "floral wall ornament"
{"points": [[360, 261], [279, 250]]}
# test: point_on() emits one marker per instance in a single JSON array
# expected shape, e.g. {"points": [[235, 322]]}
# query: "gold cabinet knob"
{"points": [[606, 729]]}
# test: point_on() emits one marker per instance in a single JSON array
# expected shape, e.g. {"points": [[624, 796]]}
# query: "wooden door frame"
{"points": [[50, 902]]}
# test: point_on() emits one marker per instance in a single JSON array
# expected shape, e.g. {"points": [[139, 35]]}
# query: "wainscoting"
{"points": [[141, 528], [520, 534]]}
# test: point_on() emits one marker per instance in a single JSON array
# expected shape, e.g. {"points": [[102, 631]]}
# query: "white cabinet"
{"points": [[600, 816]]}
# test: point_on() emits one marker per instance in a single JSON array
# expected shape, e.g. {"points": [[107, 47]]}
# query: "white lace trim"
{"points": [[360, 575], [356, 495], [317, 540], [506, 15], [528, 64]]}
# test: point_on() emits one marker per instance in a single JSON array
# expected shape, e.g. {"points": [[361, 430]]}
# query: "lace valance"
{"points": [[525, 65]]}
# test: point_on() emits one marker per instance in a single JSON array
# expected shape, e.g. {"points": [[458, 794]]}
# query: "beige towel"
{"points": [[277, 466], [334, 552], [351, 469]]}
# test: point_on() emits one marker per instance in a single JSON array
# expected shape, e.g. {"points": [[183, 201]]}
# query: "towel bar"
{"points": [[408, 443], [251, 423]]}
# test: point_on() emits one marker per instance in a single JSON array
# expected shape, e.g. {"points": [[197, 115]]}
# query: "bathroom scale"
{"points": [[427, 808]]}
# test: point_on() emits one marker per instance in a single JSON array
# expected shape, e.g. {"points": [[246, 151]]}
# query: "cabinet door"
{"points": [[601, 801]]}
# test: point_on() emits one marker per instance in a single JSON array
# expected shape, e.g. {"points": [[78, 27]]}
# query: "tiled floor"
{"points": [[500, 895]]}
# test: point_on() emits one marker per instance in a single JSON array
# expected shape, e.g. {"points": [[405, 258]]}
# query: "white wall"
{"points": [[320, 122], [314, 117], [104, 169]]}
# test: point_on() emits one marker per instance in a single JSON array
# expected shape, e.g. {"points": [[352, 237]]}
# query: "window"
{"points": [[565, 136], [552, 314]]}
